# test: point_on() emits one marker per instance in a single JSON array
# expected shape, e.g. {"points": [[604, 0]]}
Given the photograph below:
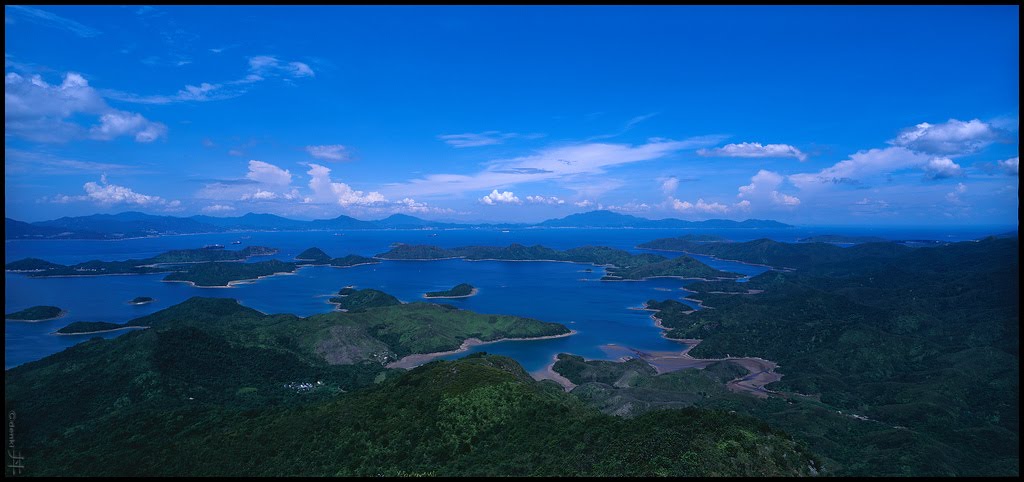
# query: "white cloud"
{"points": [[701, 206], [108, 194], [586, 203], [267, 173], [941, 168], [506, 197], [326, 190], [1009, 166], [764, 185], [754, 149], [119, 123], [332, 152], [631, 207], [482, 139], [668, 186], [53, 20], [860, 165], [557, 163], [953, 197], [41, 112], [410, 205], [544, 200], [261, 68], [954, 137], [259, 195], [217, 208], [785, 199]]}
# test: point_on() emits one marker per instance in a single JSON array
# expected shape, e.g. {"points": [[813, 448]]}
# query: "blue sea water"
{"points": [[565, 293]]}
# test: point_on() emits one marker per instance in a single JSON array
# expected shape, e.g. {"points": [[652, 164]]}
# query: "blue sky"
{"points": [[808, 115]]}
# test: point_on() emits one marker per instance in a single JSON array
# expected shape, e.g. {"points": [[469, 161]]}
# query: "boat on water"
{"points": [[236, 242], [214, 246], [505, 231]]}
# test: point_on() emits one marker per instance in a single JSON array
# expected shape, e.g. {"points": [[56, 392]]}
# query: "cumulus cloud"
{"points": [[495, 197], [941, 168], [764, 185], [953, 197], [700, 206], [217, 208], [630, 207], [332, 152], [860, 165], [267, 173], [259, 195], [108, 194], [951, 138], [324, 189], [586, 203], [544, 200], [1009, 166], [754, 149], [410, 205], [668, 186], [38, 111]]}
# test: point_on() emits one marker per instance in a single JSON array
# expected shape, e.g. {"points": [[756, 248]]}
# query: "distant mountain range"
{"points": [[135, 224]]}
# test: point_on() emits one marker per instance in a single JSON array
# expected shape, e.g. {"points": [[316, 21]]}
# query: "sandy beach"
{"points": [[415, 360], [101, 331], [549, 373]]}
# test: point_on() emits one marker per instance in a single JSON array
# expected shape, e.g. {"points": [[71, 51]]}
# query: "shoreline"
{"points": [[233, 283], [101, 331], [781, 268], [471, 293], [760, 372], [60, 315], [417, 359], [549, 373]]}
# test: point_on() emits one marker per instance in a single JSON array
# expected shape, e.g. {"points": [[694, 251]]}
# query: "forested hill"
{"points": [[927, 339]]}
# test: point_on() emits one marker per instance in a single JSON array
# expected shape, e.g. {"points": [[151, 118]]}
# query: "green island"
{"points": [[86, 327], [225, 274], [319, 257], [621, 265], [161, 263], [204, 267], [351, 299], [842, 239], [921, 343], [461, 290], [36, 313], [141, 300]]}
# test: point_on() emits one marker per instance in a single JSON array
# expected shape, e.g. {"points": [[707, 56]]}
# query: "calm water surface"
{"points": [[557, 292]]}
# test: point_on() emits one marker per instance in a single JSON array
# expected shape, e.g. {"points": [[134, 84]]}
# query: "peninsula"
{"points": [[621, 265]]}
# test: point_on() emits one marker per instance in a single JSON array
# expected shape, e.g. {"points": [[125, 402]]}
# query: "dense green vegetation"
{"points": [[458, 291], [41, 268], [924, 338], [683, 266], [622, 264], [222, 274], [350, 299], [783, 255], [842, 239], [35, 313], [483, 415], [139, 300], [318, 256], [210, 254], [351, 260], [88, 327]]}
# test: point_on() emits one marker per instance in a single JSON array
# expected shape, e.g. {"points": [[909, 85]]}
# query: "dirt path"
{"points": [[761, 371]]}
